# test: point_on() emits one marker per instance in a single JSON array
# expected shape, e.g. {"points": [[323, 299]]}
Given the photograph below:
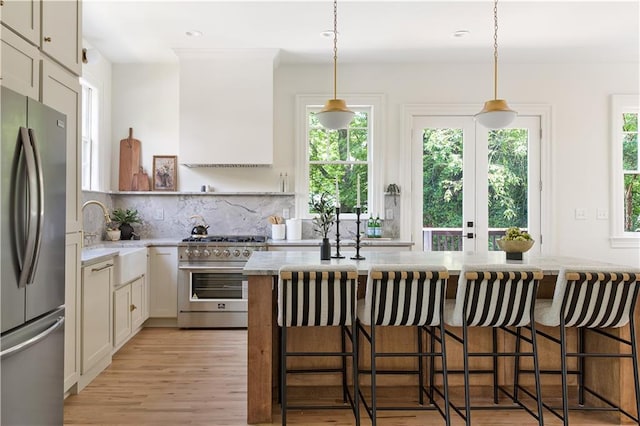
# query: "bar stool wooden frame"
{"points": [[319, 309], [428, 284], [478, 315], [576, 288]]}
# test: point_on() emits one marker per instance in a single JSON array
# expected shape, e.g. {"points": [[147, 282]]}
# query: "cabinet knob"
{"points": [[132, 307], [47, 39]]}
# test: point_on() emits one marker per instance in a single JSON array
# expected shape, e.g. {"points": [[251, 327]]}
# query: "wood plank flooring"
{"points": [[166, 376]]}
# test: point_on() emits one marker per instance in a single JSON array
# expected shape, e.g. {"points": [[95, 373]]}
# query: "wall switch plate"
{"points": [[581, 214], [602, 214], [388, 214], [285, 213], [158, 214]]}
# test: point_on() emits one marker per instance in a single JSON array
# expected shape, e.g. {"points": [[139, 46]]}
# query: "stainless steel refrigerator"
{"points": [[32, 252]]}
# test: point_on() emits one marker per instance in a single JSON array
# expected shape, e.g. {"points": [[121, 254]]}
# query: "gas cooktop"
{"points": [[226, 239]]}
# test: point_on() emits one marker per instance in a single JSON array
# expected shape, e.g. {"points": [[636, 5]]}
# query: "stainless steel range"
{"points": [[212, 292]]}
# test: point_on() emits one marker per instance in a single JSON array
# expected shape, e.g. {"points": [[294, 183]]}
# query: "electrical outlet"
{"points": [[285, 213], [388, 214], [602, 214], [158, 214], [581, 214]]}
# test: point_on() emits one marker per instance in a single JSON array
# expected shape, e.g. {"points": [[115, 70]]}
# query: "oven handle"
{"points": [[211, 268]]}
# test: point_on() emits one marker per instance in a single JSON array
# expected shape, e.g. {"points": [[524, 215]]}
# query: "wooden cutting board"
{"points": [[129, 161], [141, 181]]}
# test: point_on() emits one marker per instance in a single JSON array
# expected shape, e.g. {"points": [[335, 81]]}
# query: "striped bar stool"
{"points": [[319, 296], [591, 299], [497, 296], [406, 296]]}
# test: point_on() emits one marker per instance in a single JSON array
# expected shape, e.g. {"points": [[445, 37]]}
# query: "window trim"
{"points": [[94, 137], [376, 173], [619, 238]]}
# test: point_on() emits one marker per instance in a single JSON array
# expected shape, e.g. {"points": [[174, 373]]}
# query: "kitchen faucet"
{"points": [[107, 217]]}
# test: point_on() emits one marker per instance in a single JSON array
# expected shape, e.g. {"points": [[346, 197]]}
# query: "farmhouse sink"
{"points": [[130, 263]]}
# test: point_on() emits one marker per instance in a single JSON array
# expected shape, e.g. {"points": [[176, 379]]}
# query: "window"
{"points": [[343, 156], [89, 136], [625, 171]]}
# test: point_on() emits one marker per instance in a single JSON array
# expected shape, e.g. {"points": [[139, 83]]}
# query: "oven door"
{"points": [[219, 288]]}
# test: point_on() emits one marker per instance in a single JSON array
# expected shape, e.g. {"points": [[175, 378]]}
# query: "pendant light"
{"points": [[496, 114], [335, 114]]}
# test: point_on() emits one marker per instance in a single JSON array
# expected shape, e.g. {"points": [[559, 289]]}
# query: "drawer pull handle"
{"points": [[47, 39], [132, 307], [108, 265]]}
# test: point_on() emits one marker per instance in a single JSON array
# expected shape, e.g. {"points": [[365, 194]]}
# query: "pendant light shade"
{"points": [[335, 114], [495, 114]]}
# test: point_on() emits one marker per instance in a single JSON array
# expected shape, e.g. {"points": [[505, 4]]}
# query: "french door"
{"points": [[471, 183]]}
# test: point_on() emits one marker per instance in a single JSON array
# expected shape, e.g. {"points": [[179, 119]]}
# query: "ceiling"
{"points": [[368, 31]]}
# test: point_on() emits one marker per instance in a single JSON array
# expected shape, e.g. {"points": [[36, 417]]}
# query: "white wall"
{"points": [[145, 98]]}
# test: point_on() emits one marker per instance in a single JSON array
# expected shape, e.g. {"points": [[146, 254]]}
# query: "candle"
{"points": [[337, 194], [358, 193]]}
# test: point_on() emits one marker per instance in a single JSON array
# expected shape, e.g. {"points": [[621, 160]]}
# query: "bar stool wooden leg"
{"points": [[420, 369], [634, 357], [494, 348], [516, 366], [467, 389]]}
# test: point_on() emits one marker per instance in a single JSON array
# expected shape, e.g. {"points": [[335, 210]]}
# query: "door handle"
{"points": [[24, 345], [33, 188], [40, 207], [470, 235]]}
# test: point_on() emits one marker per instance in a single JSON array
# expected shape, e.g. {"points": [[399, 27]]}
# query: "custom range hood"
{"points": [[226, 107]]}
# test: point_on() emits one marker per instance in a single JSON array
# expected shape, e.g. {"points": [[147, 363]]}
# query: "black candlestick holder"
{"points": [[357, 256], [337, 255]]}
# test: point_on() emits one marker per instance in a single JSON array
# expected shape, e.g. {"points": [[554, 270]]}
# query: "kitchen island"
{"points": [[612, 377]]}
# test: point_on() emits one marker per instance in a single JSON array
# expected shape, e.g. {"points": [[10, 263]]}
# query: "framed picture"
{"points": [[165, 172]]}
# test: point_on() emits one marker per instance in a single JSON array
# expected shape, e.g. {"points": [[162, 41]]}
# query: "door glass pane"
{"points": [[508, 181], [442, 189]]}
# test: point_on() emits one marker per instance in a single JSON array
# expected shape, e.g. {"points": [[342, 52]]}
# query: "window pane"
{"points": [[322, 178], [632, 203], [508, 178], [318, 144], [313, 120], [629, 122], [630, 151], [358, 143], [442, 174], [360, 120]]}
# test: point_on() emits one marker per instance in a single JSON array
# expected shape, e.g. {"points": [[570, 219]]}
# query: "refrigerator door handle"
{"points": [[32, 179], [32, 341], [40, 207]]}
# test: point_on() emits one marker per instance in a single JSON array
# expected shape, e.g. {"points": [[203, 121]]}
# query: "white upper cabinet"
{"points": [[23, 17], [226, 107], [62, 32], [20, 65]]}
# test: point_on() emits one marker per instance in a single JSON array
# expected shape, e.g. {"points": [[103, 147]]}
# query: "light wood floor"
{"points": [[166, 376]]}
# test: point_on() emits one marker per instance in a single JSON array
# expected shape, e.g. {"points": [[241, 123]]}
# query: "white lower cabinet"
{"points": [[97, 284], [163, 282], [128, 310], [72, 291], [121, 316]]}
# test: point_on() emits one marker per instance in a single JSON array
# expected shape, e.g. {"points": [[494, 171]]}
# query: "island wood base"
{"points": [[612, 377]]}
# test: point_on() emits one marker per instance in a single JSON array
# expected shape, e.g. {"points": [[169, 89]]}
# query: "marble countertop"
{"points": [[346, 243], [269, 262], [108, 249]]}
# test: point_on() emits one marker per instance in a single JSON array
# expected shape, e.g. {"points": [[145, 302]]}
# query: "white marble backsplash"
{"points": [[169, 215]]}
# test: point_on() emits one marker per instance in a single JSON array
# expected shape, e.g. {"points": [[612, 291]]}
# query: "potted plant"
{"points": [[113, 231], [323, 222], [125, 218]]}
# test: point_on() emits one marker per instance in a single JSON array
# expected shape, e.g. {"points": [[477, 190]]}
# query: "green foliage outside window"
{"points": [[342, 155], [631, 172], [443, 180]]}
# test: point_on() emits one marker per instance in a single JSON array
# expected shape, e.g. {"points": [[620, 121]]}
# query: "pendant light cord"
{"points": [[495, 49], [335, 49]]}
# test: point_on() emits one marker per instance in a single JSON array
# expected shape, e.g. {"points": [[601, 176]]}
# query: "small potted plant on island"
{"points": [[515, 242], [323, 222], [125, 218], [113, 231]]}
